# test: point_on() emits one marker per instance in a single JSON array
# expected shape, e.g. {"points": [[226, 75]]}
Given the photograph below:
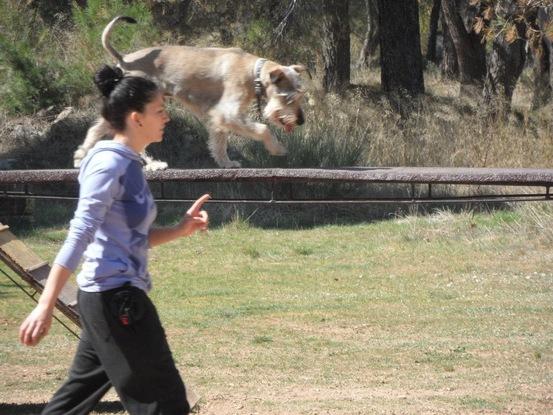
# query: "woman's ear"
{"points": [[135, 117]]}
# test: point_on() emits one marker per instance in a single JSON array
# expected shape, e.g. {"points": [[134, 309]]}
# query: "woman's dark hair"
{"points": [[122, 94]]}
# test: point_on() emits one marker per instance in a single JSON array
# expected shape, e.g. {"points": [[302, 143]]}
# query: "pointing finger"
{"points": [[198, 203]]}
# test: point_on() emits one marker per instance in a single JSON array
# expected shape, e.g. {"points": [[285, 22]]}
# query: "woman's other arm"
{"points": [[38, 323], [194, 220]]}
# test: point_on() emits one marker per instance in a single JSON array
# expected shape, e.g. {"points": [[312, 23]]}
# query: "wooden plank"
{"points": [[18, 251], [34, 271], [37, 266]]}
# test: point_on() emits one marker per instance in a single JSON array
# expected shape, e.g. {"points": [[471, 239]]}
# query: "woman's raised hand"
{"points": [[195, 219]]}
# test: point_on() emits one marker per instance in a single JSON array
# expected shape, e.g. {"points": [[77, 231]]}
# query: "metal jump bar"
{"points": [[523, 197]]}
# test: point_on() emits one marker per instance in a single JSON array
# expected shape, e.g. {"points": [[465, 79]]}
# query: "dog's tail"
{"points": [[106, 33]]}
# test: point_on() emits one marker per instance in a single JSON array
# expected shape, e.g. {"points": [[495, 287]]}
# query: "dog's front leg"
{"points": [[218, 147]]}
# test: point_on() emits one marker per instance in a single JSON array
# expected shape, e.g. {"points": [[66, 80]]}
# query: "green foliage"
{"points": [[46, 65], [258, 32], [31, 79], [89, 23], [91, 20]]}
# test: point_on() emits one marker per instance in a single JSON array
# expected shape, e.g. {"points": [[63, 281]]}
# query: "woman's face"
{"points": [[153, 119]]}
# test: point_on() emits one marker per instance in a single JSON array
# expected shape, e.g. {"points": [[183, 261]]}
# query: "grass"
{"points": [[448, 313]]}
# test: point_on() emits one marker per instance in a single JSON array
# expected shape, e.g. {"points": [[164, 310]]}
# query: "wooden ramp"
{"points": [[34, 271]]}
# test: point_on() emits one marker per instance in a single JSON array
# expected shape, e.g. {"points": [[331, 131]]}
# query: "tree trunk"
{"points": [[505, 63], [371, 36], [471, 53], [449, 65], [543, 63], [433, 32], [400, 51], [336, 45]]}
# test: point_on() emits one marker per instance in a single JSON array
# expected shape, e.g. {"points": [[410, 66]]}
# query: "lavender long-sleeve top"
{"points": [[112, 221]]}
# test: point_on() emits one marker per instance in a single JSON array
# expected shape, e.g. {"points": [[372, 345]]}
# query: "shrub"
{"points": [[31, 79], [47, 66]]}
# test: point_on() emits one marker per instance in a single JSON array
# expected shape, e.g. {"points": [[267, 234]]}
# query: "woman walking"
{"points": [[122, 343]]}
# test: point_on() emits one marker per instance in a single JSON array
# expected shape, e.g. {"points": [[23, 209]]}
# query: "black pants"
{"points": [[122, 345]]}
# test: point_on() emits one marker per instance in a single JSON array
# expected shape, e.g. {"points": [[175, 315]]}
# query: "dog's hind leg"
{"points": [[151, 164], [99, 129]]}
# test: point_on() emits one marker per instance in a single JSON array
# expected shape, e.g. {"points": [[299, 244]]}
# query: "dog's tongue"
{"points": [[289, 128]]}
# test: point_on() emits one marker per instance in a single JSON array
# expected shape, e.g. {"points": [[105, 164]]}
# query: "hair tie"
{"points": [[107, 78]]}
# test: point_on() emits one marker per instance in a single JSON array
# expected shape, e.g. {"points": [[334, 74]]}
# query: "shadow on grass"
{"points": [[36, 408], [266, 216], [5, 295]]}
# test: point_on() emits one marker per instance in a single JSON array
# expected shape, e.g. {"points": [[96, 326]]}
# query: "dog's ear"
{"points": [[276, 75], [298, 68], [301, 68]]}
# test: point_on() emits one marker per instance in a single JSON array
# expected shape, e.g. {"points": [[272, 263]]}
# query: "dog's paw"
{"points": [[230, 164], [78, 157], [155, 165]]}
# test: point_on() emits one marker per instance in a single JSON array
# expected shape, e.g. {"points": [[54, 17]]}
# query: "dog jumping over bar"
{"points": [[217, 85]]}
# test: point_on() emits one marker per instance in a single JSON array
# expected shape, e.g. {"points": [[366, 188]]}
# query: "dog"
{"points": [[217, 85]]}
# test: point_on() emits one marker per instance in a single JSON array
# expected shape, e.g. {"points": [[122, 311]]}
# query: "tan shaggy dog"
{"points": [[217, 85]]}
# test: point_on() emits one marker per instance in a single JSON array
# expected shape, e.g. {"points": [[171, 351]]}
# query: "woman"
{"points": [[122, 342]]}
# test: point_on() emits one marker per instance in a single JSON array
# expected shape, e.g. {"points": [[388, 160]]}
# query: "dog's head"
{"points": [[284, 96]]}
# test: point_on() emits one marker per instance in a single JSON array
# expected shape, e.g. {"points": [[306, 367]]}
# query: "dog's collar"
{"points": [[258, 85]]}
